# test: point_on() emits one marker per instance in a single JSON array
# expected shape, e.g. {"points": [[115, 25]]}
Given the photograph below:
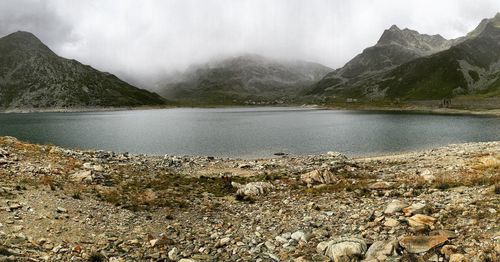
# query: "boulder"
{"points": [[343, 249], [253, 188], [417, 208], [421, 221], [394, 207], [381, 249], [420, 244], [318, 177], [391, 222], [458, 258], [82, 177], [299, 236]]}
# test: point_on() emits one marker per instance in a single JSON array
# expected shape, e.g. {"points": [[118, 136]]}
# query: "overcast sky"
{"points": [[132, 37]]}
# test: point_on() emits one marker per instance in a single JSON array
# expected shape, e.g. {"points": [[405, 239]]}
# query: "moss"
{"points": [[96, 257]]}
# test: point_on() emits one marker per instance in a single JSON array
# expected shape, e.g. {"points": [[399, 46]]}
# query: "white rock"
{"points": [[82, 177], [253, 188], [299, 236], [172, 254], [381, 248], [318, 177], [343, 249], [394, 206]]}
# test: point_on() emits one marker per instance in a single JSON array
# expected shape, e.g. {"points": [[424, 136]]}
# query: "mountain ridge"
{"points": [[242, 78], [33, 76], [455, 67]]}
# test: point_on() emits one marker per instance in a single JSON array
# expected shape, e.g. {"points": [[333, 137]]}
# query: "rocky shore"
{"points": [[58, 204]]}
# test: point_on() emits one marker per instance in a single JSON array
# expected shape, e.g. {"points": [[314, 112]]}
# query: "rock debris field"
{"points": [[58, 204]]}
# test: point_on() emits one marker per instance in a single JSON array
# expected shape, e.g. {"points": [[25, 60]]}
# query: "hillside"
{"points": [[32, 76], [395, 47], [242, 79], [470, 66]]}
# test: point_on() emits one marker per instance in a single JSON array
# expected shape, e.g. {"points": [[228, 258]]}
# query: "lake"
{"points": [[248, 132]]}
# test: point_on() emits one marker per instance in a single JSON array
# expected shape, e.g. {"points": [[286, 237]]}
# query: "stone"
{"points": [[281, 239], [253, 188], [448, 250], [421, 221], [269, 245], [381, 248], [458, 258], [299, 236], [318, 177], [391, 222], [223, 241], [153, 242], [416, 208], [420, 244], [394, 207], [172, 254], [343, 249], [427, 175], [82, 177], [448, 233]]}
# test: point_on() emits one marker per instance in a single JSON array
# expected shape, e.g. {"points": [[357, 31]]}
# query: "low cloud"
{"points": [[141, 39]]}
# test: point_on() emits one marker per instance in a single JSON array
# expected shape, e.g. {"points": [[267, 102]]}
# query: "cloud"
{"points": [[139, 39]]}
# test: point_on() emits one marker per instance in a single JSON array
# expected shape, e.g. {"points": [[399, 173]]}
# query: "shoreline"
{"points": [[359, 108], [61, 204]]}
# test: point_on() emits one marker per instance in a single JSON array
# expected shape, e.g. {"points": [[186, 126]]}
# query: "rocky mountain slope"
{"points": [[242, 79], [32, 76], [394, 48], [434, 68]]}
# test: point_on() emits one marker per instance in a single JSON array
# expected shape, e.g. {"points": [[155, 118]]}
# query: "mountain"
{"points": [[241, 79], [470, 67], [32, 76], [438, 69], [395, 47]]}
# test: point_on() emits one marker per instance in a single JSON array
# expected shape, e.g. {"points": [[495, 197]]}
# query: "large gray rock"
{"points": [[318, 177], [394, 207], [343, 249], [253, 188], [380, 250]]}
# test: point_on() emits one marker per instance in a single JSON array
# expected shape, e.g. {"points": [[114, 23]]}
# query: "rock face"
{"points": [[343, 249], [32, 76], [242, 79], [407, 65]]}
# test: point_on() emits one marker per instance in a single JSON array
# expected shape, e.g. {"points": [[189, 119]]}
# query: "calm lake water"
{"points": [[248, 132]]}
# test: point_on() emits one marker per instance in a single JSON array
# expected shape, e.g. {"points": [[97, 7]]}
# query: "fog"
{"points": [[143, 39]]}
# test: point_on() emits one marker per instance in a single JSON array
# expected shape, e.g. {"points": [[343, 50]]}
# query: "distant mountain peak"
{"points": [[394, 28], [23, 36], [25, 42], [411, 39]]}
